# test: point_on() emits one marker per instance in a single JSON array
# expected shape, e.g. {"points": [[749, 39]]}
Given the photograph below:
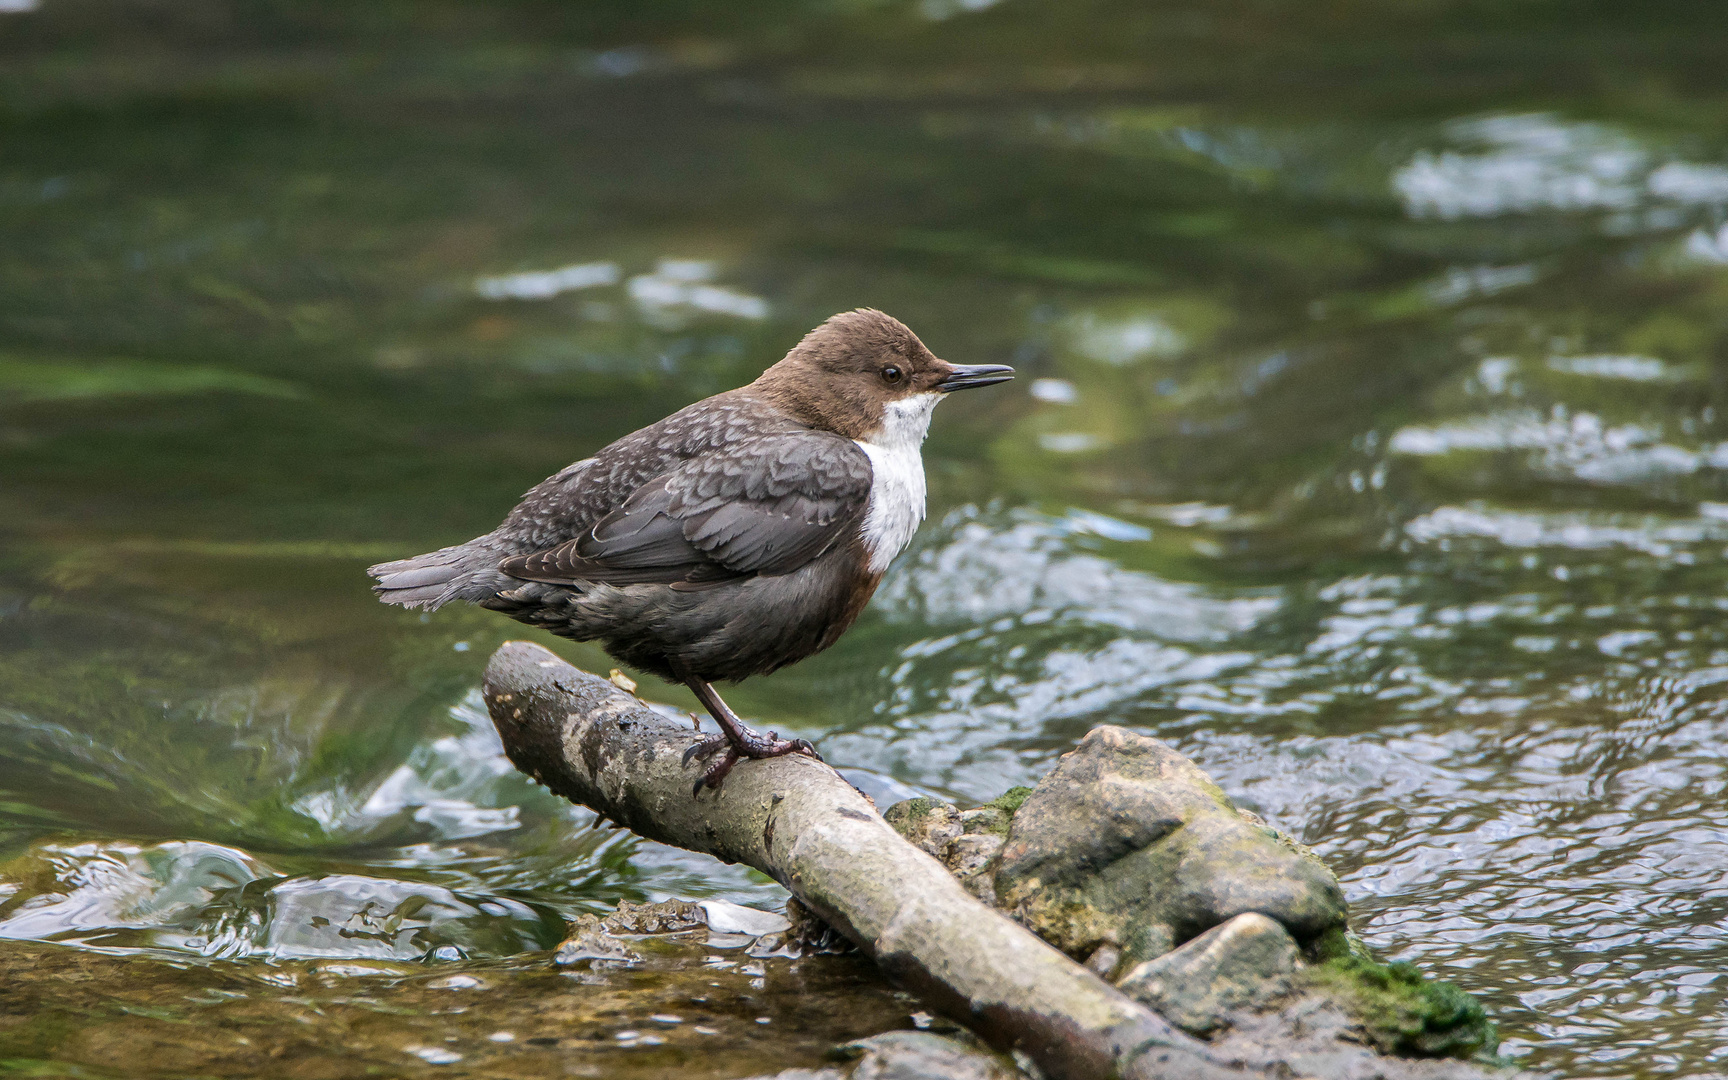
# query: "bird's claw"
{"points": [[803, 746], [713, 774], [705, 749], [752, 746]]}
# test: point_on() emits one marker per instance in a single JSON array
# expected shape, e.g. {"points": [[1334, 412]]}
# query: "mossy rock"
{"points": [[1127, 844], [932, 824], [911, 812], [1401, 1012], [928, 823]]}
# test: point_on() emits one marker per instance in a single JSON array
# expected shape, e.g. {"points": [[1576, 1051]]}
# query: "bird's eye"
{"points": [[892, 374]]}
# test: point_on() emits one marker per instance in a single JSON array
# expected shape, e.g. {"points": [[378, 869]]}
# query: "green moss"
{"points": [[1338, 943], [1010, 801], [1403, 1013], [997, 815]]}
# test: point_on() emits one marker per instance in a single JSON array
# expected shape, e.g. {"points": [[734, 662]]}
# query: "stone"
{"points": [[1399, 1011], [920, 1055], [988, 818], [1311, 1035], [665, 917], [930, 825], [1247, 962], [594, 937], [971, 857], [1128, 843], [965, 841], [589, 941], [1127, 850], [1105, 959]]}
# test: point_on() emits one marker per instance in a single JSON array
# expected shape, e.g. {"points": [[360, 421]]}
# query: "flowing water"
{"points": [[1370, 445]]}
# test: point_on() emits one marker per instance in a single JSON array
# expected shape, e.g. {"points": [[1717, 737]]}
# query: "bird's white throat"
{"points": [[896, 478]]}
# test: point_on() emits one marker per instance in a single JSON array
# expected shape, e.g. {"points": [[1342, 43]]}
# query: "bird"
{"points": [[740, 534]]}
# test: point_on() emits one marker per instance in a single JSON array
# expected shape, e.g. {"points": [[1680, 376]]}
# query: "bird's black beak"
{"points": [[969, 375]]}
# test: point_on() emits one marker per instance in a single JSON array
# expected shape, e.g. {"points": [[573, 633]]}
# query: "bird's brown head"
{"points": [[865, 375]]}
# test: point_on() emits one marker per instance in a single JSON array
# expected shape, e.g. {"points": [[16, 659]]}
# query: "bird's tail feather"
{"points": [[464, 572]]}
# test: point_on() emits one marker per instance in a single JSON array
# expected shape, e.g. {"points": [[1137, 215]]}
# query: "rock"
{"points": [[1310, 1035], [1104, 960], [593, 937], [988, 818], [972, 858], [997, 815], [1246, 962], [919, 1055], [589, 940], [666, 917], [966, 842], [929, 824], [1399, 1011], [1128, 843], [1127, 848]]}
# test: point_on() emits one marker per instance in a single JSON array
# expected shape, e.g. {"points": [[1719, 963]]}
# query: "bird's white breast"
{"points": [[896, 478]]}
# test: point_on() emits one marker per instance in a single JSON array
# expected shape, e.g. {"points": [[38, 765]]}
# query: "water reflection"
{"points": [[1519, 164]]}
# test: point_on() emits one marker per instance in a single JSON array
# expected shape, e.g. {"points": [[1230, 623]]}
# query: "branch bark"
{"points": [[799, 822]]}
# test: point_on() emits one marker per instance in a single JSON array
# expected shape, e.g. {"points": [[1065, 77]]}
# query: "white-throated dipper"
{"points": [[734, 537]]}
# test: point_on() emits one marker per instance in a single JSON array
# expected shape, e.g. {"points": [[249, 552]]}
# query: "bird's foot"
{"points": [[705, 749], [748, 744]]}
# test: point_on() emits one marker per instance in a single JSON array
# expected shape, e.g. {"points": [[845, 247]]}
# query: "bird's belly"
{"points": [[729, 632]]}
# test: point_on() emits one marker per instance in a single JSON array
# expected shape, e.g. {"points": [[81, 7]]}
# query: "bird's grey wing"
{"points": [[762, 507], [570, 503]]}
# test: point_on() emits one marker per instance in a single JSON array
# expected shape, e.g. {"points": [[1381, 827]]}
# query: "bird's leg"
{"points": [[735, 738]]}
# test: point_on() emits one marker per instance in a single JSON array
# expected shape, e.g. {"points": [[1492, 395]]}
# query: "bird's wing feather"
{"points": [[766, 506]]}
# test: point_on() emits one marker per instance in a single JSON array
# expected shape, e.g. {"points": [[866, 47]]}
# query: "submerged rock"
{"points": [[605, 938], [666, 917], [920, 1055], [591, 940], [910, 1055], [1247, 962]]}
